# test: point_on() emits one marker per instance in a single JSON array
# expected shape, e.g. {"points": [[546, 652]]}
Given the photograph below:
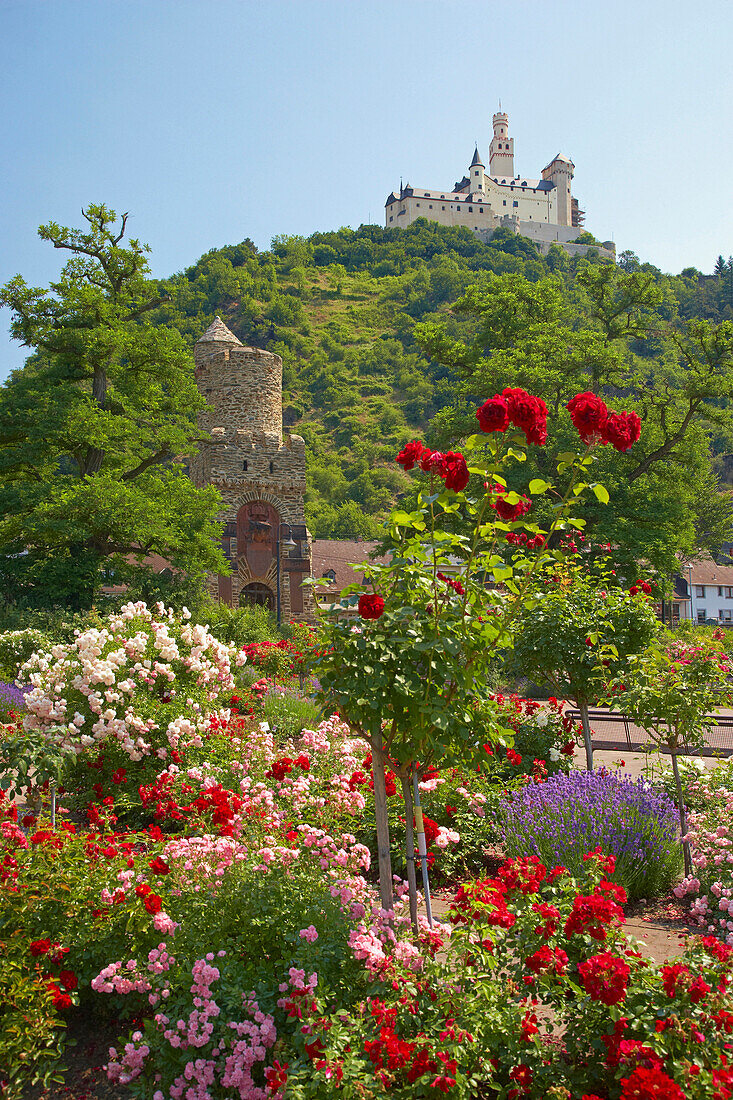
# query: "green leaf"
{"points": [[601, 492], [538, 485]]}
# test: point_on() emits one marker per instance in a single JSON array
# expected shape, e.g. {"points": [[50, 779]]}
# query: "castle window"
{"points": [[442, 196], [430, 207], [504, 202], [470, 210], [272, 467], [480, 209], [391, 218], [442, 208], [515, 203], [418, 204], [245, 465]]}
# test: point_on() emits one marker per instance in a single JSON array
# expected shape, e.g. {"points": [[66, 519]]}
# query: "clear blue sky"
{"points": [[215, 120]]}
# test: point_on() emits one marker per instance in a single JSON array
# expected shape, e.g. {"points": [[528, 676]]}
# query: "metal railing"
{"points": [[618, 732]]}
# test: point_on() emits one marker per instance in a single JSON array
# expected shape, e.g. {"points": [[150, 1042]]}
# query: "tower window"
{"points": [[272, 467], [245, 465]]}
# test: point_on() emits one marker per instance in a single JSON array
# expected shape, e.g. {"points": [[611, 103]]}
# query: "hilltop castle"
{"points": [[260, 475], [542, 209]]}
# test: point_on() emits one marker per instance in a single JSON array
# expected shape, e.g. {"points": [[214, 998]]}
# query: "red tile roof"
{"points": [[338, 555]]}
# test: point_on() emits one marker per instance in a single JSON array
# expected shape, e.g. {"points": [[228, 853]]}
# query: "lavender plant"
{"points": [[12, 700], [569, 815]]}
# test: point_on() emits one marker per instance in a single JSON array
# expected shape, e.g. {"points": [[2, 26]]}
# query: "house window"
{"points": [[725, 616], [701, 614], [720, 591], [728, 592], [700, 591]]}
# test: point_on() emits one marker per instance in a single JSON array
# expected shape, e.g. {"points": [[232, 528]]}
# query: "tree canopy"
{"points": [[92, 429]]}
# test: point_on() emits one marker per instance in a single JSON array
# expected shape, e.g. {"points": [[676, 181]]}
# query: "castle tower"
{"points": [[501, 150], [477, 175], [560, 171], [260, 475]]}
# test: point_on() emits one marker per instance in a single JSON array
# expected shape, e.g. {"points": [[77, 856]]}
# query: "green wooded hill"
{"points": [[341, 308]]}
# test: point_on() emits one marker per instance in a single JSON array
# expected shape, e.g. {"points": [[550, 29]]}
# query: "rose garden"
{"points": [[223, 852]]}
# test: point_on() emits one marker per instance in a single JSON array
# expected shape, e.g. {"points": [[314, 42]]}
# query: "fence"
{"points": [[617, 732]]}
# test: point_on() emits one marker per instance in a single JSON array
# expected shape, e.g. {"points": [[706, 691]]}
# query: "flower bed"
{"points": [[218, 901], [567, 816]]}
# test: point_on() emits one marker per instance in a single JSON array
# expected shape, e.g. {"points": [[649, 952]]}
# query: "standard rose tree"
{"points": [[410, 672], [581, 627], [672, 692]]}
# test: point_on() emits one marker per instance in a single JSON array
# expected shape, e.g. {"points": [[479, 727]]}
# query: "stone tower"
{"points": [[560, 171], [260, 475], [501, 150]]}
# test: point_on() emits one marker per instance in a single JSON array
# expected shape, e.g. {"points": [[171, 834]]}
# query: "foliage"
{"points": [[16, 646], [239, 626], [618, 334], [672, 692], [563, 818], [289, 712], [91, 429], [581, 627]]}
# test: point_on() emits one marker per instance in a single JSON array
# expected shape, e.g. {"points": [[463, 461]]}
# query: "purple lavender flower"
{"points": [[569, 815], [12, 698]]}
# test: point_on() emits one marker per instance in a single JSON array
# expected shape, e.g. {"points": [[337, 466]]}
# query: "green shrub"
{"points": [[288, 713], [16, 646]]}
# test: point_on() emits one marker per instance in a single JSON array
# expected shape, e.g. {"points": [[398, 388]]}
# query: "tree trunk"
{"points": [[410, 849], [382, 820], [673, 745], [587, 736]]}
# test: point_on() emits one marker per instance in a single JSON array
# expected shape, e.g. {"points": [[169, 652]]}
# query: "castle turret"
{"points": [[560, 171], [477, 175], [244, 385], [501, 150]]}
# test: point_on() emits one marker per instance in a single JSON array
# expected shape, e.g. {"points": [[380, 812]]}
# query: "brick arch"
{"points": [[236, 502]]}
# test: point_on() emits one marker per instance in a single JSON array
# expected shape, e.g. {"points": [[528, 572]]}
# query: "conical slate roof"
{"points": [[217, 332], [476, 159]]}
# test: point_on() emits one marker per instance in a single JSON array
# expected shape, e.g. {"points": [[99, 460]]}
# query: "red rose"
{"points": [[370, 606], [68, 979], [493, 416], [650, 1084], [589, 414], [410, 454], [605, 977], [39, 947], [153, 903], [454, 471], [60, 1000], [528, 413], [143, 890], [622, 430], [431, 462], [506, 511], [159, 866]]}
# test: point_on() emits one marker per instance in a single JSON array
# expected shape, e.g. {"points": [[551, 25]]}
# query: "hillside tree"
{"points": [[93, 427]]}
